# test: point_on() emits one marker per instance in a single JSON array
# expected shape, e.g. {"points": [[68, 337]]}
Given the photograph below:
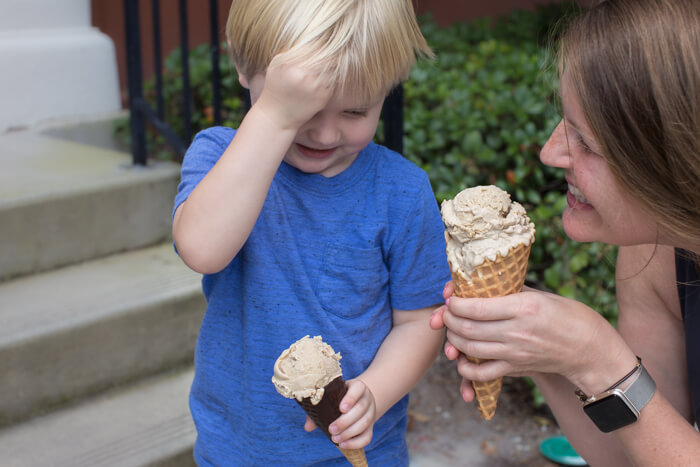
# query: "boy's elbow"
{"points": [[199, 259]]}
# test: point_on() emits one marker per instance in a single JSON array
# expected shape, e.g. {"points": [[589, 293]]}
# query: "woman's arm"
{"points": [[546, 336], [650, 321]]}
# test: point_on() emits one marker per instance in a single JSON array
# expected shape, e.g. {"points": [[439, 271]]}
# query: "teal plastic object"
{"points": [[557, 449]]}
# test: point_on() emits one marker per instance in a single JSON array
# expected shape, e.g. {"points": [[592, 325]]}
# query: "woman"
{"points": [[629, 144]]}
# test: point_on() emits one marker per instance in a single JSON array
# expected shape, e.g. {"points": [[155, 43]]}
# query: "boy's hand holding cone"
{"points": [[309, 371], [488, 240]]}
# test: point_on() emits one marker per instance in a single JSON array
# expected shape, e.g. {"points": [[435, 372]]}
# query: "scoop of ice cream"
{"points": [[481, 223], [305, 368]]}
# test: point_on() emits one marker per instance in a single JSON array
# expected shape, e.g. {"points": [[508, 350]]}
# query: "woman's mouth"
{"points": [[575, 197], [577, 194], [314, 153]]}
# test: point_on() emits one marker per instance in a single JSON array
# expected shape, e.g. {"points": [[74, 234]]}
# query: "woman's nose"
{"points": [[555, 152]]}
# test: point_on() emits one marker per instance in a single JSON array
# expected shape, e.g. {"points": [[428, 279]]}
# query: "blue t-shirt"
{"points": [[329, 257]]}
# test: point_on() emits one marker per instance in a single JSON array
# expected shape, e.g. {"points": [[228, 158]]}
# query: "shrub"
{"points": [[478, 114]]}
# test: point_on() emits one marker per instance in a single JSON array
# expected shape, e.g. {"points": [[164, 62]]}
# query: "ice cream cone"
{"points": [[327, 411], [504, 276]]}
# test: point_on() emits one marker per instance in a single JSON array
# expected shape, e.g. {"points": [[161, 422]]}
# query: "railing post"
{"points": [[135, 83], [393, 120], [215, 69], [186, 91], [158, 59]]}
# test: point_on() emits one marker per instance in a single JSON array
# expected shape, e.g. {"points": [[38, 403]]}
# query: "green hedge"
{"points": [[478, 114]]}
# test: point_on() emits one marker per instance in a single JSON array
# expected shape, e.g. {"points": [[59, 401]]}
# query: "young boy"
{"points": [[301, 225]]}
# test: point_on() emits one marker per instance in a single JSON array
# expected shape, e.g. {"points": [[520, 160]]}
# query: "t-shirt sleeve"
{"points": [[417, 258], [205, 150]]}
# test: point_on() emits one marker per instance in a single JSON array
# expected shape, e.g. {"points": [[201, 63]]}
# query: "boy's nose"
{"points": [[324, 131], [555, 152]]}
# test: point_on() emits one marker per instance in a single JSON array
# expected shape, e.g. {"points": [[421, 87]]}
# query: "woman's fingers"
{"points": [[493, 331], [436, 318], [479, 348], [485, 371], [485, 309], [467, 390]]}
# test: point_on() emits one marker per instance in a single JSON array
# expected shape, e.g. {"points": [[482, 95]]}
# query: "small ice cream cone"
{"points": [[309, 372], [497, 278], [327, 411], [488, 239]]}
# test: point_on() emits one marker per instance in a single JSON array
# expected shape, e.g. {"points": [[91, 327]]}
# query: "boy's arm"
{"points": [[405, 355], [212, 225]]}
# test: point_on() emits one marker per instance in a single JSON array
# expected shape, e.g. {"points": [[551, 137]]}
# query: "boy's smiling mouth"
{"points": [[314, 153]]}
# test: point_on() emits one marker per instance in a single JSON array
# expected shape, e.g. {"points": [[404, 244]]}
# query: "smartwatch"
{"points": [[615, 408]]}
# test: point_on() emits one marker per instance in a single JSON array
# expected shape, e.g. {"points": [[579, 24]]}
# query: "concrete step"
{"points": [[64, 201], [78, 330], [147, 424]]}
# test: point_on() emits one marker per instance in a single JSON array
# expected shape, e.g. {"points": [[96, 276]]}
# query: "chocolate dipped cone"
{"points": [[327, 411], [504, 276]]}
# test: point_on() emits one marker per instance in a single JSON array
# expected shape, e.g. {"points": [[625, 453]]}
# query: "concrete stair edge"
{"points": [[147, 423], [63, 202], [74, 344]]}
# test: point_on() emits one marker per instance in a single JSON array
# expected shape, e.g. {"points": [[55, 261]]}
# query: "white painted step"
{"points": [[145, 424], [78, 330]]}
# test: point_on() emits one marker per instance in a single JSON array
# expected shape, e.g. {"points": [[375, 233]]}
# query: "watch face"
{"points": [[610, 413]]}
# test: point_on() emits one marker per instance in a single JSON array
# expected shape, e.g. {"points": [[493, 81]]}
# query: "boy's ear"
{"points": [[241, 79]]}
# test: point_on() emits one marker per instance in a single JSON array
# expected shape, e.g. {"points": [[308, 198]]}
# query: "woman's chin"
{"points": [[576, 229]]}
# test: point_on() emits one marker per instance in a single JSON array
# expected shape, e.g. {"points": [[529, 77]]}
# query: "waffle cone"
{"points": [[504, 276], [327, 411]]}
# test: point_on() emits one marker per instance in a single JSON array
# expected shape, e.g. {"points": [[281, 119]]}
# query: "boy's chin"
{"points": [[327, 167]]}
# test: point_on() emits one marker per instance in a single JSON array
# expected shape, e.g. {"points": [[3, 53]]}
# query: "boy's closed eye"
{"points": [[356, 112]]}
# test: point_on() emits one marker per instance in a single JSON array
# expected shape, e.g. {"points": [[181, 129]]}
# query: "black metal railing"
{"points": [[142, 113]]}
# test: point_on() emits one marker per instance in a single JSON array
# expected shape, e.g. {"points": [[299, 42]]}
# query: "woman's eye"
{"points": [[583, 145]]}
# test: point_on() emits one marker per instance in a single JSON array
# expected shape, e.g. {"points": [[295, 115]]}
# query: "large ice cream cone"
{"points": [[504, 276], [488, 245], [309, 371]]}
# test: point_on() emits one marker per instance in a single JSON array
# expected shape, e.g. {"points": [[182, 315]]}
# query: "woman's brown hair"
{"points": [[635, 66]]}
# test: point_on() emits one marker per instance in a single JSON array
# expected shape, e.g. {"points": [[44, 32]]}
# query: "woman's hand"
{"points": [[530, 332], [353, 429]]}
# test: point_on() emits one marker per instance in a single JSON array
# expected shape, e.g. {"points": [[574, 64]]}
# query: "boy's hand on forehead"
{"points": [[292, 93]]}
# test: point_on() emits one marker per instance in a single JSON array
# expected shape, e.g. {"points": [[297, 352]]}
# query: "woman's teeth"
{"points": [[577, 194]]}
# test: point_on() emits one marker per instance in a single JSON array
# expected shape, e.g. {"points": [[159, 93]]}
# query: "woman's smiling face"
{"points": [[598, 209]]}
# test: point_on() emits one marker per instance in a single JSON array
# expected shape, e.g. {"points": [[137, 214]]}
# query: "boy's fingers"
{"points": [[356, 423], [309, 425], [356, 389]]}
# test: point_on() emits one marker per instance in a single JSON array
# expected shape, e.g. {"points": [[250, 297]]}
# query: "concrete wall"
{"points": [[54, 63]]}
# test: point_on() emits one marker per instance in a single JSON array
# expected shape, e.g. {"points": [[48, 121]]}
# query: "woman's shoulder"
{"points": [[646, 275]]}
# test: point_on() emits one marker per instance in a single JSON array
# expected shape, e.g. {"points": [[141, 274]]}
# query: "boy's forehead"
{"points": [[353, 94], [355, 98]]}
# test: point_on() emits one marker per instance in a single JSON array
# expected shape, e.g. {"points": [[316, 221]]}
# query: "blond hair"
{"points": [[635, 67], [368, 46]]}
